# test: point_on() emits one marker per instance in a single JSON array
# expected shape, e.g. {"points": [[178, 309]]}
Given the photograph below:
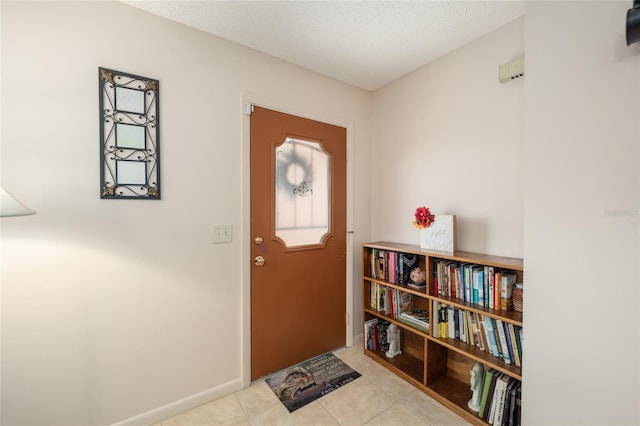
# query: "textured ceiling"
{"points": [[364, 43]]}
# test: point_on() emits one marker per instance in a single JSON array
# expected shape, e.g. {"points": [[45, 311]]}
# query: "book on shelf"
{"points": [[491, 337], [510, 402], [393, 300], [443, 314], [380, 298], [373, 298], [507, 283], [435, 331], [482, 331], [520, 339], [515, 420], [467, 282], [383, 299], [491, 415], [391, 267], [464, 330], [370, 334], [507, 337], [450, 268], [453, 290], [491, 399], [385, 261], [514, 344], [488, 383], [459, 283], [475, 332], [497, 278], [497, 337], [373, 257], [490, 271], [500, 398], [471, 333], [381, 330], [503, 347], [380, 265], [388, 301], [453, 330], [478, 283], [438, 281], [485, 285]]}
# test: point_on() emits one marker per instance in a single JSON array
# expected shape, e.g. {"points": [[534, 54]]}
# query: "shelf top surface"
{"points": [[461, 256]]}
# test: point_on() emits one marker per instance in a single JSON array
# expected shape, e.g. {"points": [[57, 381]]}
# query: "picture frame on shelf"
{"points": [[440, 235]]}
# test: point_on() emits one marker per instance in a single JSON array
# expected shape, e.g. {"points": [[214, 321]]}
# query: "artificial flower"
{"points": [[423, 218]]}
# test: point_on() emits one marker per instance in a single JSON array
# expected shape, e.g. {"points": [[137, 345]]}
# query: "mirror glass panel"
{"points": [[129, 100], [129, 136], [131, 172]]}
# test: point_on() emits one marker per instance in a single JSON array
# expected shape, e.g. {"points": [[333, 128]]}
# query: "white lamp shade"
{"points": [[9, 206]]}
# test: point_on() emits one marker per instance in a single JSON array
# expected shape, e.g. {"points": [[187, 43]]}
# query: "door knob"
{"points": [[258, 260]]}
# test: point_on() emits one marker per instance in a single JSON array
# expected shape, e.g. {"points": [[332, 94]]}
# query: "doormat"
{"points": [[298, 386]]}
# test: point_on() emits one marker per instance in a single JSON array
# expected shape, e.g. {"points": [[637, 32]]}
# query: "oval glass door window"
{"points": [[302, 192]]}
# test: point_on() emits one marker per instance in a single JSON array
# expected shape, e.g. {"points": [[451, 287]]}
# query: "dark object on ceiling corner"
{"points": [[633, 23]]}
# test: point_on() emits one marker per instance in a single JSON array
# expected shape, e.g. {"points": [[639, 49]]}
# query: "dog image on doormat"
{"points": [[297, 386]]}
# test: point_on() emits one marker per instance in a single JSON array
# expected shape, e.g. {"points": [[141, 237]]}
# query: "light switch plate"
{"points": [[222, 234]]}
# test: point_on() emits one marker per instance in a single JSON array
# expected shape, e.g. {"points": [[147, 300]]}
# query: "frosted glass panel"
{"points": [[302, 192]]}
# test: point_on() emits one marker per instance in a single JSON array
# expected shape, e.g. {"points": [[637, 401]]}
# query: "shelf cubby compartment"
{"points": [[477, 355], [410, 364], [448, 379]]}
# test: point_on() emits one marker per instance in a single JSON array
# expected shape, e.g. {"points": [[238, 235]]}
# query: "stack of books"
{"points": [[500, 402], [416, 318]]}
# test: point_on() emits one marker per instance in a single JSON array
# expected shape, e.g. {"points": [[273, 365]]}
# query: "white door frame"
{"points": [[287, 108]]}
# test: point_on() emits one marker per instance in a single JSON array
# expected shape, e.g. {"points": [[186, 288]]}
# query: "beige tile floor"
{"points": [[378, 398]]}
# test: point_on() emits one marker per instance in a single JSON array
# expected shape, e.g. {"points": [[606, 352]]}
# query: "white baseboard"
{"points": [[167, 411]]}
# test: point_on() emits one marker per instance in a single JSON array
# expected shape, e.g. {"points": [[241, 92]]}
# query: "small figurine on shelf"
{"points": [[393, 337], [418, 278], [477, 377]]}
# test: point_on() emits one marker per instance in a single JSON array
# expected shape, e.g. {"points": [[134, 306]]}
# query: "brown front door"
{"points": [[298, 210]]}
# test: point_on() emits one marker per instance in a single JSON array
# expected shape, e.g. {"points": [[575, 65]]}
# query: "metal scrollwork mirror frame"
{"points": [[129, 136]]}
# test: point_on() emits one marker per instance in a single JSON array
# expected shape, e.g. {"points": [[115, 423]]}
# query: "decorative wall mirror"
{"points": [[129, 136]]}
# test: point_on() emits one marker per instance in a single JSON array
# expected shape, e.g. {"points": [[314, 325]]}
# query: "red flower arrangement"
{"points": [[424, 218]]}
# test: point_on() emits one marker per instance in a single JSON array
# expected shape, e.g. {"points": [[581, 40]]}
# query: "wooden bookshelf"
{"points": [[438, 365]]}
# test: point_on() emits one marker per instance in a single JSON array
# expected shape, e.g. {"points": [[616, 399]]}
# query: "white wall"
{"points": [[581, 216], [449, 136], [114, 308]]}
